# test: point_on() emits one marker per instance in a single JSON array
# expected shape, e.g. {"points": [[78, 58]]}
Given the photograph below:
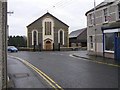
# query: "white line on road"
{"points": [[98, 62]]}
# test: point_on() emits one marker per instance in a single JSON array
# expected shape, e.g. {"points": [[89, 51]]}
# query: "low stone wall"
{"points": [[72, 48], [25, 49], [61, 49]]}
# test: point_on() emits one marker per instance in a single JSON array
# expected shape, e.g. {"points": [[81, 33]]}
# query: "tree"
{"points": [[18, 41]]}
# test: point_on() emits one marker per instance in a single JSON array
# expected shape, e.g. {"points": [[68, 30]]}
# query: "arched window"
{"points": [[48, 28], [61, 37], [34, 37]]}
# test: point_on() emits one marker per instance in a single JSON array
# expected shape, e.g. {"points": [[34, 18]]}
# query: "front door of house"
{"points": [[48, 45], [117, 47]]}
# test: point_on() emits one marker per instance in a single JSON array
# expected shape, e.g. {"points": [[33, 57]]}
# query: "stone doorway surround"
{"points": [[48, 44]]}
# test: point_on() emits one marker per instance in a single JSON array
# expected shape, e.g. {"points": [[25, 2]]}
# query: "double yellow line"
{"points": [[50, 81]]}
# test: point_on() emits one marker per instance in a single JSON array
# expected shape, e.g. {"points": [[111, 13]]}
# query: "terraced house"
{"points": [[3, 43], [47, 33], [103, 30]]}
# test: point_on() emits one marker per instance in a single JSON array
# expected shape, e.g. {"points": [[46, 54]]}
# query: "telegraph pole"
{"points": [[3, 44], [95, 27], [5, 38]]}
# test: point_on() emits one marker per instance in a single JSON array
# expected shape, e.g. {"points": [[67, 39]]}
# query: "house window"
{"points": [[91, 19], [119, 10], [91, 42], [105, 12], [109, 41], [48, 28]]}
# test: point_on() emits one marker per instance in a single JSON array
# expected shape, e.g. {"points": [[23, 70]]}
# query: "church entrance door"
{"points": [[48, 45]]}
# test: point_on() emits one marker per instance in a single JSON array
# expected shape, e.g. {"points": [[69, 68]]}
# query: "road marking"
{"points": [[114, 65], [50, 81], [57, 54]]}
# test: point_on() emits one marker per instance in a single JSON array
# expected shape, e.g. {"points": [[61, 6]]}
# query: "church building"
{"points": [[47, 33]]}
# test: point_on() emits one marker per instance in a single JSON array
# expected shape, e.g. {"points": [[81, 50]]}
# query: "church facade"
{"points": [[47, 33]]}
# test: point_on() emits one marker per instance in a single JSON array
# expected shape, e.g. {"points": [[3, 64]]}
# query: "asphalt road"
{"points": [[71, 72]]}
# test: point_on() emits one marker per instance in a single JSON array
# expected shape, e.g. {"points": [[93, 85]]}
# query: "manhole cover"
{"points": [[21, 75]]}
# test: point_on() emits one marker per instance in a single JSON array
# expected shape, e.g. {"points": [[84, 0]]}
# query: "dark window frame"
{"points": [[48, 28], [35, 37], [91, 42], [105, 12], [61, 37], [109, 42], [119, 10], [91, 19]]}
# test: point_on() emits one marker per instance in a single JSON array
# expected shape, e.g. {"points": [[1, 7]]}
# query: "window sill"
{"points": [[91, 49], [108, 51], [90, 25], [118, 20], [47, 35], [105, 22]]}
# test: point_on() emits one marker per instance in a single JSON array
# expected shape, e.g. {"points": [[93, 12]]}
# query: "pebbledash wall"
{"points": [[105, 13], [3, 44]]}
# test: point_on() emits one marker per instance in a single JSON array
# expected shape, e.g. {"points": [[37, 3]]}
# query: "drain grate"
{"points": [[21, 75]]}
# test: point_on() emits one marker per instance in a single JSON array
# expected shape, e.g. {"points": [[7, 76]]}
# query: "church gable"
{"points": [[47, 15], [50, 32]]}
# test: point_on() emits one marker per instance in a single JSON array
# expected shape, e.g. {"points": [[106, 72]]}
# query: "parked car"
{"points": [[12, 49]]}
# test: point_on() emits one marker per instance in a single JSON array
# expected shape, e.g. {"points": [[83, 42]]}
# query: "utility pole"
{"points": [[3, 44], [95, 27]]}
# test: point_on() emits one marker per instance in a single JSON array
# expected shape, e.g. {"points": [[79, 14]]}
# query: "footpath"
{"points": [[98, 59], [20, 76]]}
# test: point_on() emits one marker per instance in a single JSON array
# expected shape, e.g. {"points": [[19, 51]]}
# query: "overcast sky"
{"points": [[71, 12]]}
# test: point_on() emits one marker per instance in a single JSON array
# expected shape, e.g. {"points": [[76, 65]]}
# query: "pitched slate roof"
{"points": [[45, 15], [102, 4], [76, 33]]}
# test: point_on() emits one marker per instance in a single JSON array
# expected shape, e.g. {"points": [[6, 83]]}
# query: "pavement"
{"points": [[84, 54], [20, 76]]}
